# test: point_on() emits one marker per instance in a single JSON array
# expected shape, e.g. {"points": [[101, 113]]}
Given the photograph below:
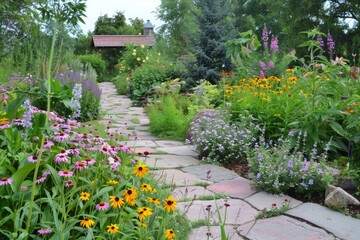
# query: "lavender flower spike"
{"points": [[75, 100], [274, 45], [265, 37]]}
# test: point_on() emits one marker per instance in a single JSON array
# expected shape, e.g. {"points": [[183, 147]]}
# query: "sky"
{"points": [[143, 9]]}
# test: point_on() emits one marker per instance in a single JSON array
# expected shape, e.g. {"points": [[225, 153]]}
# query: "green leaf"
{"points": [[13, 107], [19, 176], [339, 129]]}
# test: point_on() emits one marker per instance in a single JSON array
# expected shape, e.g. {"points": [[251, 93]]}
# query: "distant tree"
{"points": [[179, 25], [209, 46]]}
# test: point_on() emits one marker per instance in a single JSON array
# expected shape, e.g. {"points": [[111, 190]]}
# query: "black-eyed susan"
{"points": [[112, 228], [143, 212], [116, 202], [140, 170], [85, 196], [169, 234], [130, 196], [145, 187], [156, 201], [112, 182], [87, 222], [170, 204]]}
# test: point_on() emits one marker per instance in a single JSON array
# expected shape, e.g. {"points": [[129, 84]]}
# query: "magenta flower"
{"points": [[89, 161], [61, 136], [262, 74], [5, 181], [114, 160], [102, 206], [69, 183], [274, 44], [81, 165], [73, 151], [61, 157], [40, 180], [48, 144], [263, 65], [65, 173], [105, 148], [32, 159], [44, 231]]}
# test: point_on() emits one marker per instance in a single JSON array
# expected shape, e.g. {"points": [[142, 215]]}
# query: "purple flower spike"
{"points": [[274, 45]]}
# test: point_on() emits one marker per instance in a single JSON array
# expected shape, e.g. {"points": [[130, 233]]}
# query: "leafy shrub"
{"points": [[96, 63], [219, 140], [121, 83], [282, 167], [167, 118]]}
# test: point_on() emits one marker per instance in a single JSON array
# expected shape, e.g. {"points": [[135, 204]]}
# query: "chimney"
{"points": [[148, 28]]}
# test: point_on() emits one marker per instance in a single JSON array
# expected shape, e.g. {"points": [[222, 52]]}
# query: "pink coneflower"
{"points": [[24, 188], [105, 148], [61, 157], [81, 165], [98, 139], [44, 231], [65, 173], [115, 160], [32, 158], [69, 183], [40, 180], [89, 161], [5, 181], [74, 151], [46, 173], [5, 125], [102, 206], [48, 144], [61, 136]]}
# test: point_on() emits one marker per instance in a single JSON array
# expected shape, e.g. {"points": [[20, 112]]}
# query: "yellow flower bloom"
{"points": [[113, 228], [138, 59], [142, 46], [145, 187], [153, 200], [170, 204], [143, 212], [116, 202], [169, 234], [130, 196], [87, 222], [84, 196], [140, 170], [112, 182], [142, 224]]}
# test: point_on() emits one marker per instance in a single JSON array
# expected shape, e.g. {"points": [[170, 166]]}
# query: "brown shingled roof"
{"points": [[102, 41]]}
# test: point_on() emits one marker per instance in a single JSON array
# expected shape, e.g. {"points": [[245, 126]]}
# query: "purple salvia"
{"points": [[320, 41], [274, 44], [265, 37], [263, 65], [27, 115], [330, 42], [271, 65], [75, 100], [262, 74]]}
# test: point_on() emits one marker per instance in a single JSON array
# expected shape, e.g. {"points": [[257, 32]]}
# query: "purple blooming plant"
{"points": [[331, 45], [283, 168]]}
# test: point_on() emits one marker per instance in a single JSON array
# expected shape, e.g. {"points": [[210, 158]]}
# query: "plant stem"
{"points": [[33, 188]]}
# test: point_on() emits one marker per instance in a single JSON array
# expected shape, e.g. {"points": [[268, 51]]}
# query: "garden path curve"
{"points": [[195, 183]]}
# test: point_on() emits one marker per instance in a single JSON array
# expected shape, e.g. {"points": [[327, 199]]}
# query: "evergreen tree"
{"points": [[214, 23]]}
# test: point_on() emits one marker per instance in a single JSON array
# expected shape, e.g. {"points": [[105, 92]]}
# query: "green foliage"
{"points": [[96, 62], [168, 119], [121, 83], [275, 210]]}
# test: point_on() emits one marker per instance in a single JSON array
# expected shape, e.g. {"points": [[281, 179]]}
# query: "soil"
{"points": [[242, 169]]}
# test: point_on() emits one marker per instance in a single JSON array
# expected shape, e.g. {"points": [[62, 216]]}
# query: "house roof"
{"points": [[103, 41]]}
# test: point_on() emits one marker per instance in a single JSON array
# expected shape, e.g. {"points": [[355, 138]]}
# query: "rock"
{"points": [[348, 185], [337, 196]]}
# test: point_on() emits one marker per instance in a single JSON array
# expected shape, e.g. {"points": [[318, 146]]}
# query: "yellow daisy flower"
{"points": [[84, 196], [145, 187], [170, 204], [169, 234], [130, 196], [140, 170], [112, 182], [143, 212], [116, 202], [87, 222], [153, 200], [112, 228]]}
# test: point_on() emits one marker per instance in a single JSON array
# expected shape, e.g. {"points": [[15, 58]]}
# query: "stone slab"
{"points": [[213, 232], [238, 212], [341, 226], [262, 200], [191, 192], [170, 161], [141, 143], [141, 150], [211, 172], [169, 143], [282, 227], [237, 188], [179, 150], [177, 178]]}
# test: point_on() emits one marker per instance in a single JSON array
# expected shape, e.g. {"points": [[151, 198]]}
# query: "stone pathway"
{"points": [[196, 183]]}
